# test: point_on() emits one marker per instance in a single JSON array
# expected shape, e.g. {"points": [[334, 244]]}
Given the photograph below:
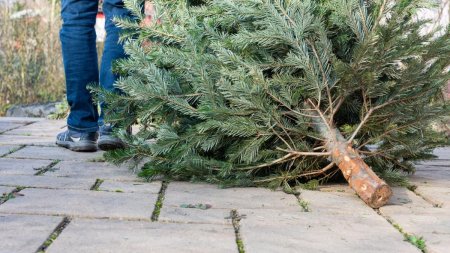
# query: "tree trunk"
{"points": [[369, 187]]}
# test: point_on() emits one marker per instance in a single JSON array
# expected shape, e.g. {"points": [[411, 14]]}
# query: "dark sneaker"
{"points": [[80, 142], [107, 141]]}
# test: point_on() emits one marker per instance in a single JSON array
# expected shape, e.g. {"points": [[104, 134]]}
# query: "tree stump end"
{"points": [[381, 196]]}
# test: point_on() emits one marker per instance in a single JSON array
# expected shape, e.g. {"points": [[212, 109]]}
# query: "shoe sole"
{"points": [[80, 146], [109, 144]]}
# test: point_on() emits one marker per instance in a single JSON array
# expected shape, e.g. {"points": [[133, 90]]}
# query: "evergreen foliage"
{"points": [[234, 91]]}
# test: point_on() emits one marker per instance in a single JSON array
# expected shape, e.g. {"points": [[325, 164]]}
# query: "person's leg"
{"points": [[113, 50], [80, 64], [80, 61]]}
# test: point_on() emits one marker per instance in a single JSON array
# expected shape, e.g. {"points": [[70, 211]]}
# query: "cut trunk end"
{"points": [[381, 196], [369, 187]]}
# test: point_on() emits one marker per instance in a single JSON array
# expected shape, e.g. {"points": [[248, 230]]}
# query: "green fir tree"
{"points": [[252, 92]]}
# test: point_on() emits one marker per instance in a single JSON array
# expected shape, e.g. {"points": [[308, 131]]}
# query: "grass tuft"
{"points": [[159, 201]]}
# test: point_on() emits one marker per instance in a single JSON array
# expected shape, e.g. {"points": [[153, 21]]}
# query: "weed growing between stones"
{"points": [[413, 188], [13, 150], [159, 201], [415, 240], [304, 205], [54, 235], [11, 195], [236, 218], [97, 184], [419, 242], [50, 167]]}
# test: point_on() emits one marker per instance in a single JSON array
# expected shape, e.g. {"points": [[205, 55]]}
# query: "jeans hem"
{"points": [[83, 130]]}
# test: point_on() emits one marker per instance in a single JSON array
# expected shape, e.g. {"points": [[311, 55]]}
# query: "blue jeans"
{"points": [[78, 40]]}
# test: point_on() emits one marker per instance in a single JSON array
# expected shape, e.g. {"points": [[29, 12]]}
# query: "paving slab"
{"points": [[5, 149], [431, 175], [41, 128], [28, 140], [436, 162], [25, 233], [48, 123], [251, 198], [280, 231], [45, 182], [442, 153], [79, 203], [6, 190], [335, 188], [335, 202], [433, 165], [403, 196], [6, 126], [56, 153], [439, 196], [22, 120], [220, 201], [28, 131], [420, 218], [77, 169], [195, 215], [141, 187], [29, 167], [107, 236]]}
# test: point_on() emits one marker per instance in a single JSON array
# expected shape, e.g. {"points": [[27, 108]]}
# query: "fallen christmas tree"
{"points": [[273, 92]]}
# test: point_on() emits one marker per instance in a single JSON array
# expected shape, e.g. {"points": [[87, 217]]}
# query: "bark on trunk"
{"points": [[369, 187]]}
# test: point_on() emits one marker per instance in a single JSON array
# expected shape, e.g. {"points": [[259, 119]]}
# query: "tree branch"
{"points": [[279, 160], [325, 121], [380, 15], [299, 153], [369, 113], [317, 172], [324, 77]]}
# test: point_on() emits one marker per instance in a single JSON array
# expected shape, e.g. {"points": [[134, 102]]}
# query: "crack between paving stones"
{"points": [[11, 195], [43, 187], [97, 184], [54, 235], [435, 204], [111, 218], [32, 158], [302, 202], [236, 219], [13, 150], [42, 170], [14, 128], [80, 216], [159, 201], [434, 165], [415, 240], [42, 145]]}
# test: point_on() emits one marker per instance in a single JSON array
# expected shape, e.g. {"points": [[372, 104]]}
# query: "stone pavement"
{"points": [[57, 201]]}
